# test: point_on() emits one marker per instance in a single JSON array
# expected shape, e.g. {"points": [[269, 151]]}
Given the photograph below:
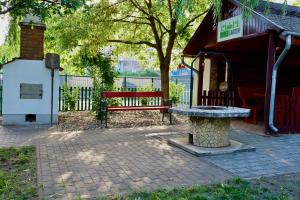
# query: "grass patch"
{"points": [[236, 189], [18, 173]]}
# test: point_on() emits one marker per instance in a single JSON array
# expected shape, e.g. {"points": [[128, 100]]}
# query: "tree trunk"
{"points": [[164, 72]]}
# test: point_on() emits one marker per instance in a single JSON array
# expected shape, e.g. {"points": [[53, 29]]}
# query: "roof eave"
{"points": [[277, 27]]}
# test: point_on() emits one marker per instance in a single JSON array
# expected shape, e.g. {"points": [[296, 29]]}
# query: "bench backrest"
{"points": [[110, 95], [248, 92]]}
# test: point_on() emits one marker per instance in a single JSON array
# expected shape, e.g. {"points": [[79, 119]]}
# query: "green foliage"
{"points": [[296, 3], [115, 102], [42, 8], [102, 72], [98, 66], [103, 75], [10, 49], [144, 100], [176, 91], [94, 27], [70, 97], [18, 173]]}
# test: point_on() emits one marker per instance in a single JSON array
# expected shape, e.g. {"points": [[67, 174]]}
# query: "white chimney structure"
{"points": [[31, 83]]}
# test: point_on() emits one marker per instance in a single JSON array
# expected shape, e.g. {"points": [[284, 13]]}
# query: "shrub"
{"points": [[144, 100], [115, 102], [176, 91], [70, 98]]}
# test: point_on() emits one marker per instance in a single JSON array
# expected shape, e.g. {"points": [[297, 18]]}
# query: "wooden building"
{"points": [[255, 43]]}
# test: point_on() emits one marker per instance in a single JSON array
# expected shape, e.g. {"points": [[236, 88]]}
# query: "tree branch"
{"points": [[136, 5], [126, 19], [170, 9], [134, 43], [130, 22], [192, 20], [160, 23]]}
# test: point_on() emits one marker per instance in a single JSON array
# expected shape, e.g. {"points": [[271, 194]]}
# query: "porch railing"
{"points": [[216, 98]]}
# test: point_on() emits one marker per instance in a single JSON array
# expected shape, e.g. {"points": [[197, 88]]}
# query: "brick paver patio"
{"points": [[97, 163], [273, 156]]}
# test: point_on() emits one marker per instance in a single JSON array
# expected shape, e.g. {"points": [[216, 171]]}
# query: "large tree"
{"points": [[153, 23], [161, 26]]}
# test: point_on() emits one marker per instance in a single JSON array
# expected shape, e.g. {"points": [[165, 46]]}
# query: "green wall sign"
{"points": [[230, 28]]}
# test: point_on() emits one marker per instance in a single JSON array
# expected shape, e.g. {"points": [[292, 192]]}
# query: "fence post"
{"points": [[125, 84], [89, 98], [152, 83], [1, 88], [66, 78], [59, 99]]}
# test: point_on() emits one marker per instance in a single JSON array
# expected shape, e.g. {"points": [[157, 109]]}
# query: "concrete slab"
{"points": [[181, 141]]}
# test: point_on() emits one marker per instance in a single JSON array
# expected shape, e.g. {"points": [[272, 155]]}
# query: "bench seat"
{"points": [[135, 108]]}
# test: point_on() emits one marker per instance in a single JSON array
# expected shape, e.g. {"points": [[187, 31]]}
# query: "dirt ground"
{"points": [[72, 121]]}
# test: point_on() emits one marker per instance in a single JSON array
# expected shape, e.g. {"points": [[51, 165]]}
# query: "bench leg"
{"points": [[170, 115], [106, 120], [163, 116]]}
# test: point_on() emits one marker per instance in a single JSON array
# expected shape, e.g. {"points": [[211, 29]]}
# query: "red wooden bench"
{"points": [[109, 95], [252, 98]]}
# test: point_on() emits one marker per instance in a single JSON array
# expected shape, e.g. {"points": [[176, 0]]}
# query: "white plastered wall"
{"points": [[32, 72]]}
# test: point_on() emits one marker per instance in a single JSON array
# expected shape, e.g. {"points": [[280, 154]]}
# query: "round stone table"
{"points": [[210, 125]]}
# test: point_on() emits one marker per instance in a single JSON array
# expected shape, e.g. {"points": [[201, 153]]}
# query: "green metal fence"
{"points": [[84, 101], [1, 100]]}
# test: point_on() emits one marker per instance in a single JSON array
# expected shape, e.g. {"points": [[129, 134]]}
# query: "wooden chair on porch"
{"points": [[296, 91], [253, 99]]}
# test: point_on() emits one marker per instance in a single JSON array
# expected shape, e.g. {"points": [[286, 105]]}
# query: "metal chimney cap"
{"points": [[34, 20]]}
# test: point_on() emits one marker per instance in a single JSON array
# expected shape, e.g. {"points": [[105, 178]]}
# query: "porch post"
{"points": [[200, 80], [270, 64]]}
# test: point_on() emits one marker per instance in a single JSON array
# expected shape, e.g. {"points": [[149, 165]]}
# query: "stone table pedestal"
{"points": [[210, 132]]}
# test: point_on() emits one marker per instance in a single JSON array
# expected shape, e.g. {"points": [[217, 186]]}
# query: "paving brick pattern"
{"points": [[273, 156], [97, 163]]}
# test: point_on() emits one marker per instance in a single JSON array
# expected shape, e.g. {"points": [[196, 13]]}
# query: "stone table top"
{"points": [[211, 111]]}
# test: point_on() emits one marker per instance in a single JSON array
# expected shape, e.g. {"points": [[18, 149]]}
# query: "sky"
{"points": [[3, 28], [4, 22]]}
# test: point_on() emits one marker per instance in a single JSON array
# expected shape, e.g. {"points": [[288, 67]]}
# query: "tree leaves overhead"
{"points": [[41, 8], [125, 23]]}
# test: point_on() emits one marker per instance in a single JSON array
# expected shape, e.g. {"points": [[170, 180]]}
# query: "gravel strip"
{"points": [[76, 121]]}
